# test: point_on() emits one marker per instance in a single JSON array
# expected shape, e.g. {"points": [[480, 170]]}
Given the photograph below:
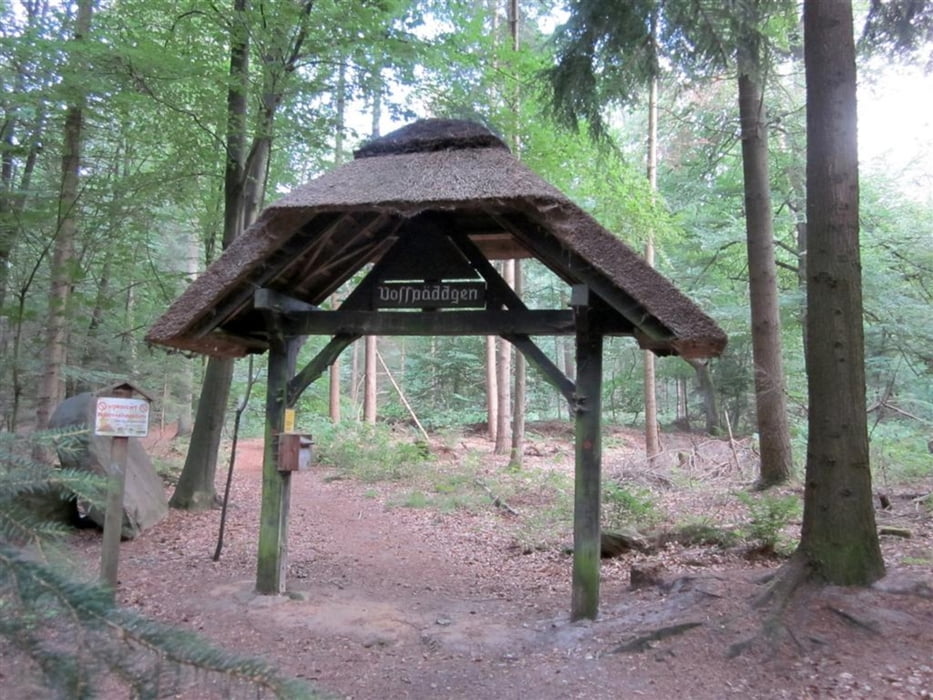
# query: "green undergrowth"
{"points": [[768, 516], [899, 454], [370, 453], [547, 512], [627, 506], [539, 503]]}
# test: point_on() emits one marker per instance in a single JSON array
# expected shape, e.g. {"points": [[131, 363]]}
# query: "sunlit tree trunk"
{"points": [[503, 379], [708, 392], [518, 394], [492, 389], [339, 155], [839, 539], [370, 376], [187, 368], [370, 381], [355, 378], [518, 412]]}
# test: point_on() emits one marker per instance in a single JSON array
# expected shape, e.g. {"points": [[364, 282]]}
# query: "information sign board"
{"points": [[115, 417]]}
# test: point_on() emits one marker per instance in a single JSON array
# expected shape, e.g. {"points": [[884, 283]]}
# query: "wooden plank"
{"points": [[527, 322], [588, 464], [424, 251]]}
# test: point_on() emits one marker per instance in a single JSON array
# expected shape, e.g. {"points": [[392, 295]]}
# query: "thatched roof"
{"points": [[314, 239]]}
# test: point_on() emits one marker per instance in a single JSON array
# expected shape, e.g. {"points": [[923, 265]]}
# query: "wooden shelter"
{"points": [[430, 206]]}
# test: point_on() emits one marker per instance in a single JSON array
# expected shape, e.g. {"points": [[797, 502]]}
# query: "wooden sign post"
{"points": [[120, 416]]}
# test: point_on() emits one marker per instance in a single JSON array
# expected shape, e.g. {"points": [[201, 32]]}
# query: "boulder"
{"points": [[144, 500]]}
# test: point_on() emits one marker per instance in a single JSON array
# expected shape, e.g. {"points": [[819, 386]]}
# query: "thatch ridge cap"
{"points": [[427, 135]]}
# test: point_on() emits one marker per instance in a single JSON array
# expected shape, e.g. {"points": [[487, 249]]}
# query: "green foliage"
{"points": [[549, 522], [29, 489], [368, 452], [415, 499], [900, 28], [627, 506], [76, 638], [899, 452], [768, 516]]}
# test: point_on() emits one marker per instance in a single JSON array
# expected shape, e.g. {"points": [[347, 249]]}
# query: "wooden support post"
{"points": [[120, 416], [588, 458], [276, 485], [113, 516]]}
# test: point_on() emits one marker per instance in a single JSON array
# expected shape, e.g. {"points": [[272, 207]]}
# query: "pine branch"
{"points": [[108, 639]]}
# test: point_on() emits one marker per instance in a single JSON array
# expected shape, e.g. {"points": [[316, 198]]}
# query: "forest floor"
{"points": [[411, 589]]}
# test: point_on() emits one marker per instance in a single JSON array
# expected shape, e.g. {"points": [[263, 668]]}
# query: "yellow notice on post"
{"points": [[289, 420]]}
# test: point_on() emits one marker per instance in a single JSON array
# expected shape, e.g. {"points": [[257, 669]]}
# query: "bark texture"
{"points": [[839, 539], [50, 388], [773, 431]]}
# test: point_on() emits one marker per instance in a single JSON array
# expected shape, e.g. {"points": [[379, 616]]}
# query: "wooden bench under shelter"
{"points": [[430, 206]]}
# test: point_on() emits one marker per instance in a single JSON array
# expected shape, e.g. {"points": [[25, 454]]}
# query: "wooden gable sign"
{"points": [[426, 270]]}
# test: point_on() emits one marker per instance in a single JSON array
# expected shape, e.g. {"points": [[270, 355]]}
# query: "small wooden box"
{"points": [[295, 452]]}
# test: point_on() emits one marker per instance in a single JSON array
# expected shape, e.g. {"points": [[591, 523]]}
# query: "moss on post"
{"points": [[588, 460]]}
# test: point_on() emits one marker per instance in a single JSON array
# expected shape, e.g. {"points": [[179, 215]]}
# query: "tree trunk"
{"points": [[839, 539], [195, 489], [245, 177], [187, 369], [652, 433], [517, 451], [516, 456], [371, 389], [569, 364], [773, 431], [708, 392], [503, 380], [92, 356], [492, 389], [802, 278], [339, 155], [13, 203], [355, 377], [50, 389], [369, 381]]}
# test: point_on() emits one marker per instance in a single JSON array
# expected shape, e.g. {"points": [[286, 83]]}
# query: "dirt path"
{"points": [[412, 603]]}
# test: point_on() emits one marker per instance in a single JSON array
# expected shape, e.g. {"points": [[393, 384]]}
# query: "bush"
{"points": [[768, 516], [368, 452], [625, 506]]}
